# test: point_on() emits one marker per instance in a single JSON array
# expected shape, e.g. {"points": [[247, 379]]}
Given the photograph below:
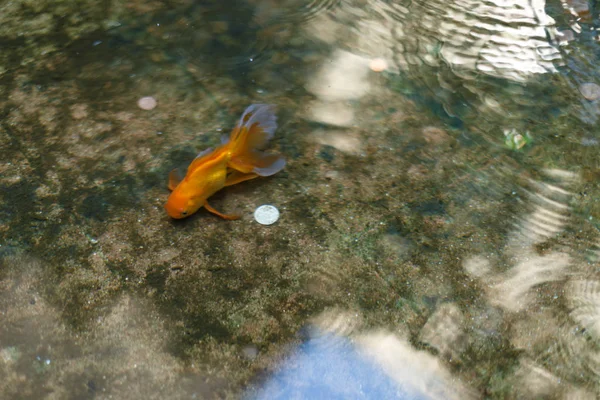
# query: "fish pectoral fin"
{"points": [[236, 177], [224, 216], [174, 179]]}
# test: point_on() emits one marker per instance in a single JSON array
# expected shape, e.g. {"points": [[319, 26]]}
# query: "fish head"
{"points": [[179, 206]]}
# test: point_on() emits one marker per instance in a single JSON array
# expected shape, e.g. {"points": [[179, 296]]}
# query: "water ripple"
{"points": [[305, 10], [584, 300], [508, 41], [550, 210]]}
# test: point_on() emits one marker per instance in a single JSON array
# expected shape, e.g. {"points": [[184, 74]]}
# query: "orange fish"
{"points": [[236, 160]]}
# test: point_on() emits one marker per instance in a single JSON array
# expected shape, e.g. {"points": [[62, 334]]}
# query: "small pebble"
{"points": [[378, 65], [79, 111], [590, 91], [266, 214], [435, 136], [332, 175], [147, 103]]}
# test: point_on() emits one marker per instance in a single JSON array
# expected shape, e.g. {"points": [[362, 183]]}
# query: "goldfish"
{"points": [[239, 158]]}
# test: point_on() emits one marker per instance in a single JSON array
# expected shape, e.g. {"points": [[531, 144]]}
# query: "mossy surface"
{"points": [[103, 295]]}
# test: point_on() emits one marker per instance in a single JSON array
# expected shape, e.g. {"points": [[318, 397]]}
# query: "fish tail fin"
{"points": [[256, 127]]}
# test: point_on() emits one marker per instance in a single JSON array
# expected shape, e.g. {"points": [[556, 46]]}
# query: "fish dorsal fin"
{"points": [[198, 158], [174, 179], [204, 152]]}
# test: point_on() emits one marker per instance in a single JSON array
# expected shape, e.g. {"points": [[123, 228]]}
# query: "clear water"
{"points": [[438, 214]]}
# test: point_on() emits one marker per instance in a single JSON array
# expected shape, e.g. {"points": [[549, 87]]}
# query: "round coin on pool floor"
{"points": [[266, 214]]}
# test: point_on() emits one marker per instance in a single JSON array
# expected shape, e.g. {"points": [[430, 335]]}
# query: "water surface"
{"points": [[438, 209]]}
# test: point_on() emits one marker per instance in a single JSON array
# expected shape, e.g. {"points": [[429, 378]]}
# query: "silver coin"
{"points": [[266, 214]]}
